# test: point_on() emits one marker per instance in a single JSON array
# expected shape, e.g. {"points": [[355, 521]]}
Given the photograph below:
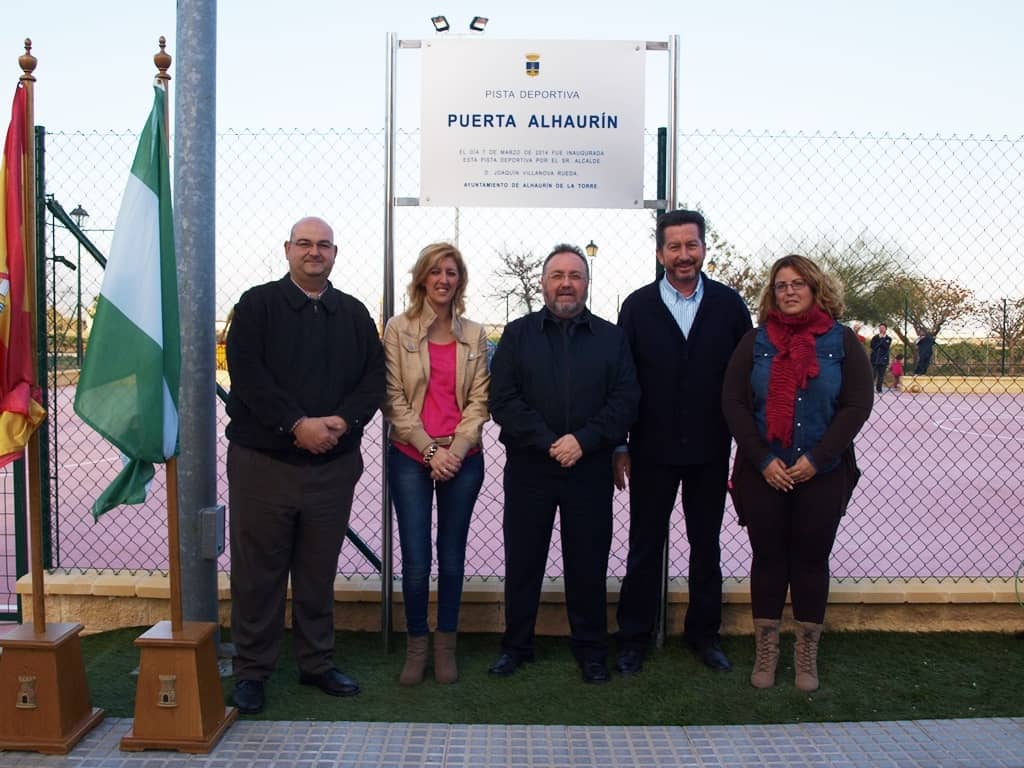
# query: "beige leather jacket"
{"points": [[408, 362]]}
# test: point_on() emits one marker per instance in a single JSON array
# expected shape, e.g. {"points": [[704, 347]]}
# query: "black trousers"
{"points": [[791, 536], [535, 486], [652, 496], [880, 376], [285, 519]]}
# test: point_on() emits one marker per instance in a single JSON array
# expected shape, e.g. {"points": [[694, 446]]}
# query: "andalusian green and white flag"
{"points": [[128, 389]]}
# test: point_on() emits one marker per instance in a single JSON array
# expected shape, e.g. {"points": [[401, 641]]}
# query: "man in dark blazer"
{"points": [[564, 392], [682, 330]]}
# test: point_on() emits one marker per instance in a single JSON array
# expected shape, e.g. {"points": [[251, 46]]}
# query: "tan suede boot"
{"points": [[805, 655], [766, 636], [415, 659], [445, 668]]}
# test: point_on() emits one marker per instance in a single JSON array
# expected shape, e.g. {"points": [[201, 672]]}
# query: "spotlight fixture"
{"points": [[440, 23], [478, 23]]}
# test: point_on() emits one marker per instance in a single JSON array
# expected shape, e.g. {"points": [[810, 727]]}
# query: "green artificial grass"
{"points": [[865, 676]]}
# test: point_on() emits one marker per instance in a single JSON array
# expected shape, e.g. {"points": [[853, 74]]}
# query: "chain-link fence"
{"points": [[925, 232]]}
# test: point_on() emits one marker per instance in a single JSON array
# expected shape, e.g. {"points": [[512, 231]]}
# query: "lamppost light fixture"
{"points": [[478, 23], [78, 214], [440, 23], [711, 266], [591, 249]]}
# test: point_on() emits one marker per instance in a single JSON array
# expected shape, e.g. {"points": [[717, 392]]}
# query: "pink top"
{"points": [[896, 368], [440, 414]]}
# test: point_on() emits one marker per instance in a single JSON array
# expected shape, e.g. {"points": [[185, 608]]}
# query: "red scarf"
{"points": [[795, 363]]}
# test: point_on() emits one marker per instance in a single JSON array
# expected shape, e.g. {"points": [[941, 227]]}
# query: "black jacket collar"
{"points": [[297, 298]]}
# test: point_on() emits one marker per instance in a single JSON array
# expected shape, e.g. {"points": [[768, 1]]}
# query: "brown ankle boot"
{"points": [[805, 655], [415, 659], [766, 636], [445, 668]]}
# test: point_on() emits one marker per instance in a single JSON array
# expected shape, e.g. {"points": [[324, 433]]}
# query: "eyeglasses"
{"points": [[309, 245], [797, 285]]}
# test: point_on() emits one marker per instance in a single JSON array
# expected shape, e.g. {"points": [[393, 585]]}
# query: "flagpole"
{"points": [[182, 655], [51, 711], [35, 481], [173, 543], [162, 59]]}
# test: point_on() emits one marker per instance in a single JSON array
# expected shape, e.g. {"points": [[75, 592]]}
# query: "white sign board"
{"points": [[532, 124]]}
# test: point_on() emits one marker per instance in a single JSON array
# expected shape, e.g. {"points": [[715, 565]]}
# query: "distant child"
{"points": [[897, 372]]}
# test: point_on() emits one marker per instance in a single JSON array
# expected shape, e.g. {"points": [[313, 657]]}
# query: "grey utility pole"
{"points": [[195, 139]]}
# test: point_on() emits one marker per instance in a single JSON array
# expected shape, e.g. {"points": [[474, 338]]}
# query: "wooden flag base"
{"points": [[179, 704], [44, 694]]}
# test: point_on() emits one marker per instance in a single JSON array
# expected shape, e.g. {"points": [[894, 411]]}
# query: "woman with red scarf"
{"points": [[797, 390]]}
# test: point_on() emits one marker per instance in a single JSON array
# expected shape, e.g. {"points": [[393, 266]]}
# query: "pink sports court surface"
{"points": [[940, 496]]}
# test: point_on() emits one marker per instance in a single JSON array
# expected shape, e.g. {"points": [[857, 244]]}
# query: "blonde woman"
{"points": [[437, 386]]}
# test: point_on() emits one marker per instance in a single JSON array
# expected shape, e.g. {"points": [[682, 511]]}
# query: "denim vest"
{"points": [[815, 405]]}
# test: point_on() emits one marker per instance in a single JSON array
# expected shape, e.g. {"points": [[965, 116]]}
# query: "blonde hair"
{"points": [[430, 257], [827, 291]]}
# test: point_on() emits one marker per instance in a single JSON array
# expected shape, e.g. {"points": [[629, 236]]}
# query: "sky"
{"points": [[932, 67], [916, 68]]}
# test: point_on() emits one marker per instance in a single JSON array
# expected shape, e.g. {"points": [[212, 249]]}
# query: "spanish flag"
{"points": [[20, 411]]}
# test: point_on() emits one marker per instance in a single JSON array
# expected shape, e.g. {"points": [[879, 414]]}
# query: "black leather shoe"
{"points": [[711, 656], [595, 672], [630, 662], [249, 696], [507, 664], [331, 682]]}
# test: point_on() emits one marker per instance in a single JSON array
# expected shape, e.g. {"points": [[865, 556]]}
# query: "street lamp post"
{"points": [[591, 249], [79, 215]]}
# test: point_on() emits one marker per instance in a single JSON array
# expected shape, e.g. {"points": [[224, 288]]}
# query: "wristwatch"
{"points": [[429, 453]]}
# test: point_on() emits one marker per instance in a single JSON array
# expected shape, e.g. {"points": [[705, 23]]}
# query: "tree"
{"points": [[933, 304], [727, 265], [519, 277], [61, 329], [1005, 319], [867, 272], [924, 304]]}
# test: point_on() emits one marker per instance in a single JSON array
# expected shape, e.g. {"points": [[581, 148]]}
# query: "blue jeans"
{"points": [[412, 492]]}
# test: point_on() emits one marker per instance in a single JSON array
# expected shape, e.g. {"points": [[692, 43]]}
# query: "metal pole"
{"points": [[673, 120], [590, 287], [662, 186], [906, 330], [1002, 362], [388, 309], [195, 160], [39, 445], [670, 204], [78, 300], [79, 214], [51, 314]]}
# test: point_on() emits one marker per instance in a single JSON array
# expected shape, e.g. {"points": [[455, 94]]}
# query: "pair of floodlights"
{"points": [[476, 24]]}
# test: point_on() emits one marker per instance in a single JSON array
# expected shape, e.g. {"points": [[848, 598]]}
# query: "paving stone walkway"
{"points": [[991, 743]]}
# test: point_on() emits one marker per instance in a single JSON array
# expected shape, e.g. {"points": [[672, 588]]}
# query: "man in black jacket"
{"points": [[564, 392], [307, 374], [925, 348], [880, 344], [682, 330]]}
